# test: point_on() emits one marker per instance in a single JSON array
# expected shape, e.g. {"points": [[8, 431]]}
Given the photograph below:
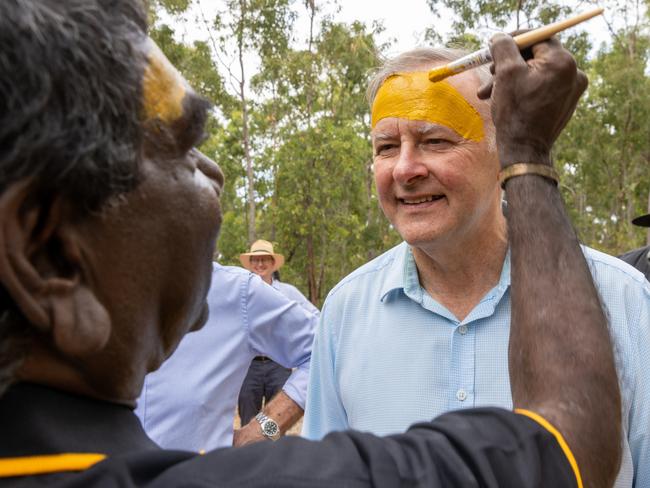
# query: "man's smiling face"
{"points": [[432, 182]]}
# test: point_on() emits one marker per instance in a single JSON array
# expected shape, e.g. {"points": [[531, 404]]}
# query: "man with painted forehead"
{"points": [[423, 329], [102, 273]]}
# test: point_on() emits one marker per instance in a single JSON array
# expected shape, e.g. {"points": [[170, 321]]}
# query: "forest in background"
{"points": [[290, 129]]}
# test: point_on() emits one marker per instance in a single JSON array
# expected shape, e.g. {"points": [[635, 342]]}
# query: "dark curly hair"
{"points": [[70, 103]]}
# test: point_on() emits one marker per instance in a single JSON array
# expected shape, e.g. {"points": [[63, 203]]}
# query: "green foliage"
{"points": [[302, 122], [608, 146], [466, 40], [319, 201], [472, 15], [174, 6], [195, 63]]}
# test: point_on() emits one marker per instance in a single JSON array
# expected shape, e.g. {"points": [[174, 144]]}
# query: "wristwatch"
{"points": [[269, 426]]}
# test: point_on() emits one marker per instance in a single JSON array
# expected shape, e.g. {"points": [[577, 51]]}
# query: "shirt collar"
{"points": [[395, 278], [402, 274]]}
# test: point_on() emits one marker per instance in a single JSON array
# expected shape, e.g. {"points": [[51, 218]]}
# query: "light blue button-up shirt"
{"points": [[189, 403], [292, 293], [387, 355]]}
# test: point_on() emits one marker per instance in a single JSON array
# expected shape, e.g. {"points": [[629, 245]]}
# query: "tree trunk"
{"points": [[648, 233], [311, 271], [250, 176], [311, 259]]}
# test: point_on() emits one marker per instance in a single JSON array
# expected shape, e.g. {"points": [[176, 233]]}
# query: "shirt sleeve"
{"points": [[281, 329], [480, 447], [325, 412]]}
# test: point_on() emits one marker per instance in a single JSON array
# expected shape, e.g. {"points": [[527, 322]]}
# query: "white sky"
{"points": [[405, 22]]}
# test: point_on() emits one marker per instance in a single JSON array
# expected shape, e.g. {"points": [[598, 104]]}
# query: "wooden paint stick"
{"points": [[523, 41]]}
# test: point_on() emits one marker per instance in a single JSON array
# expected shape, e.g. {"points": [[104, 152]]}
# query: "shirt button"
{"points": [[461, 395], [462, 330]]}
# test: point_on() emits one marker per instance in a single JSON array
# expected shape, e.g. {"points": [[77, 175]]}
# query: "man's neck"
{"points": [[458, 276], [42, 367]]}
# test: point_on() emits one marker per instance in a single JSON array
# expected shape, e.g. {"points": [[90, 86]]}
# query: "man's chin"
{"points": [[421, 237]]}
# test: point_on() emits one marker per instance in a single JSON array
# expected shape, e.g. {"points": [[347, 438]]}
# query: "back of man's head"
{"points": [[70, 95], [70, 103]]}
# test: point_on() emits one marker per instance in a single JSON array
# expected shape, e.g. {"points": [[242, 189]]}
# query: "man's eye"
{"points": [[433, 141], [384, 149]]}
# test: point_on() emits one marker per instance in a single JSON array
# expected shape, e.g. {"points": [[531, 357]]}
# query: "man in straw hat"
{"points": [[102, 273], [266, 378], [262, 261], [640, 258]]}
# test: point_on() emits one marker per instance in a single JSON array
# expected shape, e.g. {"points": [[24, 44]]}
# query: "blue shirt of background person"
{"points": [[189, 403]]}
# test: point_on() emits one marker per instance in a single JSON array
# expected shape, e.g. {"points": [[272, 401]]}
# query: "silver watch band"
{"points": [[269, 426]]}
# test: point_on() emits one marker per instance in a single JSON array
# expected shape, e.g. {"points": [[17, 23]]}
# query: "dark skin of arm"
{"points": [[560, 359]]}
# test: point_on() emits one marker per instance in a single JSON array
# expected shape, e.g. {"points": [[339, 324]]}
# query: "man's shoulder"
{"points": [[226, 278], [228, 285], [370, 272], [235, 272], [613, 272], [634, 254], [282, 286], [639, 258]]}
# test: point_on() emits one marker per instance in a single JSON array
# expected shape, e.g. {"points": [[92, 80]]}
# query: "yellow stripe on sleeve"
{"points": [[560, 439], [54, 463]]}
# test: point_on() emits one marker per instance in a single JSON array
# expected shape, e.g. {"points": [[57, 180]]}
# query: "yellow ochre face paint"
{"points": [[163, 87], [412, 96]]}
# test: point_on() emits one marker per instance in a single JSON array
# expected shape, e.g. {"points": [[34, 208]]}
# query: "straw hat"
{"points": [[261, 248]]}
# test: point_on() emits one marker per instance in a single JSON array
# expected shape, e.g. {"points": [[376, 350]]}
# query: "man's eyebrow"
{"points": [[430, 127], [382, 136]]}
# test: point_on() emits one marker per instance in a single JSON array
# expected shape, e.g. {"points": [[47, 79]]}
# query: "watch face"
{"points": [[270, 428]]}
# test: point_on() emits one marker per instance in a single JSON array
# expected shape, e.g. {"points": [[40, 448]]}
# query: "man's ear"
{"points": [[42, 270]]}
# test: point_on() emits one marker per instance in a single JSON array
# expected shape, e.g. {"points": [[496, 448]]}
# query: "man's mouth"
{"points": [[419, 200]]}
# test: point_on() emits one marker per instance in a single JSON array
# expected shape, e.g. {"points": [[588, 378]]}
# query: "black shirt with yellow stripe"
{"points": [[52, 438]]}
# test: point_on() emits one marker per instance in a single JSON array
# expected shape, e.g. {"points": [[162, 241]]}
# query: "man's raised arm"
{"points": [[561, 360]]}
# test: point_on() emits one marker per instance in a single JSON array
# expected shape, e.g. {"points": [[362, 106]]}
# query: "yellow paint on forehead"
{"points": [[412, 96], [164, 88]]}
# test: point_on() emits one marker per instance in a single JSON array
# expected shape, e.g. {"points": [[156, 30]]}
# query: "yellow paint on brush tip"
{"points": [[412, 96], [164, 88], [440, 73]]}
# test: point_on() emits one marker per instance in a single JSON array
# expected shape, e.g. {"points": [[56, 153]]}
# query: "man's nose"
{"points": [[409, 166], [210, 169]]}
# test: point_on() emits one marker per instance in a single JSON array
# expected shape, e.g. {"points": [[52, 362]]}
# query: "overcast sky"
{"points": [[405, 22]]}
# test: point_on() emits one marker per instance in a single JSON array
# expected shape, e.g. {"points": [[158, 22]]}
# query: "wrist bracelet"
{"points": [[519, 169]]}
